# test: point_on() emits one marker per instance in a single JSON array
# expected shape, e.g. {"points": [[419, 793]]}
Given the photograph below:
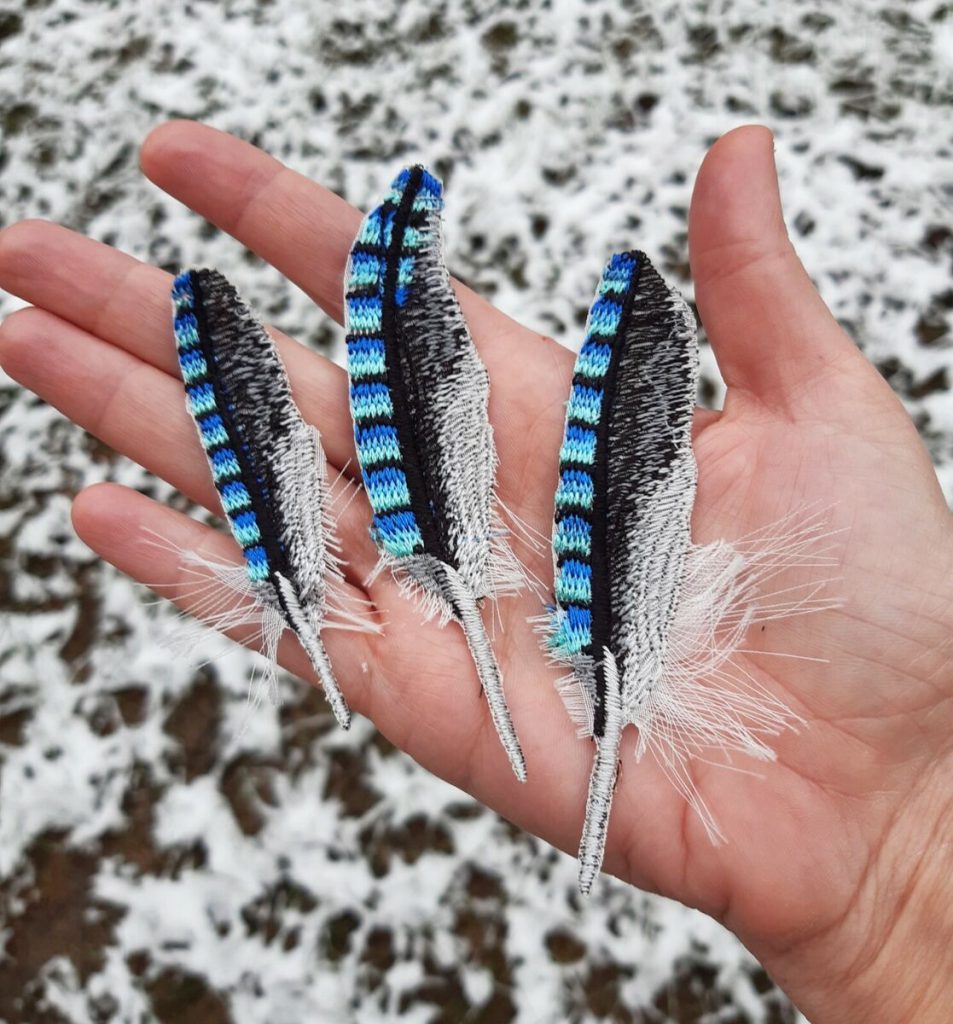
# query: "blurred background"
{"points": [[156, 864]]}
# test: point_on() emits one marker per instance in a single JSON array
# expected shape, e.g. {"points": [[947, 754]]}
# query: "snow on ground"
{"points": [[153, 866]]}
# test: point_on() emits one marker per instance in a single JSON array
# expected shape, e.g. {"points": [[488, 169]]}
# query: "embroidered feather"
{"points": [[646, 621], [270, 472], [419, 397]]}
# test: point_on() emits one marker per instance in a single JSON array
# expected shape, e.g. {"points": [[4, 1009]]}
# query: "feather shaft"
{"points": [[602, 781], [314, 648], [470, 619]]}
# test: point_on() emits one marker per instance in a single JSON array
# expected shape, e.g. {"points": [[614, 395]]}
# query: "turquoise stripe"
{"points": [[593, 360], [398, 533], [225, 465], [366, 357], [245, 528], [200, 400], [370, 233], [371, 401], [615, 284], [575, 488], [572, 635], [387, 489], [366, 269], [257, 563], [377, 444], [574, 583], [585, 404], [604, 317], [182, 295], [192, 364], [247, 535], [579, 445], [617, 276], [364, 314], [405, 270], [213, 431], [413, 238], [573, 536], [186, 330], [235, 497], [425, 203], [574, 630]]}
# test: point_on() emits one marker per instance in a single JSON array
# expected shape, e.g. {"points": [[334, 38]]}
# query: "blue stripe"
{"points": [[366, 269], [370, 233], [366, 357], [256, 559], [618, 275], [245, 529], [604, 317], [574, 630], [574, 583], [593, 360], [213, 431], [186, 329], [182, 295], [398, 533], [364, 314], [377, 444], [387, 489], [201, 399], [371, 401], [192, 364], [575, 488], [225, 465], [585, 404], [579, 445], [573, 536], [405, 270], [235, 496]]}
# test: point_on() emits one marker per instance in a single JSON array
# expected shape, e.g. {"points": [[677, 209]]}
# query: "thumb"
{"points": [[770, 331]]}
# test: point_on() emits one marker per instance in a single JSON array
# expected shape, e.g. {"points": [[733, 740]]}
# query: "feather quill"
{"points": [[419, 396], [647, 622], [270, 472]]}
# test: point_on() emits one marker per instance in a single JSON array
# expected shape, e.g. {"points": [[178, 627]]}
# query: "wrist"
{"points": [[889, 956]]}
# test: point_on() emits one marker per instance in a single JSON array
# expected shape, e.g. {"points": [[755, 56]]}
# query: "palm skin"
{"points": [[833, 850]]}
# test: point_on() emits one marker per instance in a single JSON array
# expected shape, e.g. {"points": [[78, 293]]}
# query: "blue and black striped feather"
{"points": [[622, 511], [418, 389], [267, 463], [419, 395]]}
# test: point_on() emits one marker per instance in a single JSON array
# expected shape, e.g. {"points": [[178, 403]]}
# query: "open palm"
{"points": [[807, 420]]}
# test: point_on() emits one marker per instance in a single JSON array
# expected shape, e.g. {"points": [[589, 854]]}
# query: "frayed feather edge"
{"points": [[223, 599], [704, 701], [506, 576]]}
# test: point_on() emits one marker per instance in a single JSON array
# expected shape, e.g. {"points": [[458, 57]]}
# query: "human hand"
{"points": [[833, 869]]}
